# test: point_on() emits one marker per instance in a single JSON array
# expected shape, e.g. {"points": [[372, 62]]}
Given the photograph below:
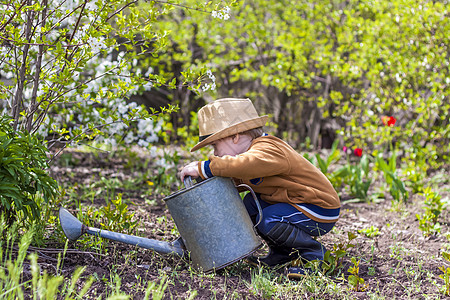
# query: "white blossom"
{"points": [[129, 138], [122, 109], [90, 5], [96, 44], [205, 87], [143, 143], [111, 141], [223, 14], [132, 105], [153, 151], [145, 126], [149, 71]]}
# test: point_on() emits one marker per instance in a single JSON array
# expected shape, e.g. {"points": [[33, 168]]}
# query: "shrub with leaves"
{"points": [[23, 178], [68, 67], [379, 67]]}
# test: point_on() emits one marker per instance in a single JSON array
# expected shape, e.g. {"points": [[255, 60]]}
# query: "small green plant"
{"points": [[356, 176], [427, 224], [389, 169], [446, 275], [354, 279], [333, 259], [428, 221], [334, 156], [23, 180], [157, 291], [116, 217], [262, 285], [106, 186], [415, 174], [370, 232]]}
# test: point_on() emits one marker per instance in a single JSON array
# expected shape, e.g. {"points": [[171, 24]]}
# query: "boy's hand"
{"points": [[189, 170]]}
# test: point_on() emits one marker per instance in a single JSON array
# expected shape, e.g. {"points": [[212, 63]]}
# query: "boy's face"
{"points": [[233, 146], [223, 147]]}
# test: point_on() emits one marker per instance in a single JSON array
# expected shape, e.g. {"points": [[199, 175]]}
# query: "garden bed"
{"points": [[395, 259]]}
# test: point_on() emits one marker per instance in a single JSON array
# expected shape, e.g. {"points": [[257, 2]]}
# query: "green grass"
{"points": [[397, 265]]}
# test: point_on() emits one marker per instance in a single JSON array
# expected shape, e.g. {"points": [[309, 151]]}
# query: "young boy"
{"points": [[297, 200]]}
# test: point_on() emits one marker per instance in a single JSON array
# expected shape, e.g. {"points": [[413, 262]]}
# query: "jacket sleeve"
{"points": [[261, 160]]}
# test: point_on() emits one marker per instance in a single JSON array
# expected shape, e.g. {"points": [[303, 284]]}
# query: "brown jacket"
{"points": [[279, 174]]}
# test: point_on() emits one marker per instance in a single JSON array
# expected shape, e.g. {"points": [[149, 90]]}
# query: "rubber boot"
{"points": [[276, 256], [286, 235]]}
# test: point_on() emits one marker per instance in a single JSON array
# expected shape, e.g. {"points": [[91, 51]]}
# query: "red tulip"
{"points": [[358, 152], [388, 121], [391, 121]]}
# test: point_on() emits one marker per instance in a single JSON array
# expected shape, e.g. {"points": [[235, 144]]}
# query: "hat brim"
{"points": [[234, 129]]}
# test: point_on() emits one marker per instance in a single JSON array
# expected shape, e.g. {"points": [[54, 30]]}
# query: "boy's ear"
{"points": [[235, 138]]}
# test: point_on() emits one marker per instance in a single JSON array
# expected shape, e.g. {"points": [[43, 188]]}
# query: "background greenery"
{"points": [[112, 74]]}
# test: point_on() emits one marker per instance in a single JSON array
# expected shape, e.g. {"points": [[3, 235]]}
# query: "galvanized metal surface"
{"points": [[215, 226], [158, 246], [71, 226], [73, 229]]}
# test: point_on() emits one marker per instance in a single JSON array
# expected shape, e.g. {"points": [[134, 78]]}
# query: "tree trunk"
{"points": [[18, 98]]}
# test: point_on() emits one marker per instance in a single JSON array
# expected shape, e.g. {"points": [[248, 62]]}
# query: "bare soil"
{"points": [[399, 263]]}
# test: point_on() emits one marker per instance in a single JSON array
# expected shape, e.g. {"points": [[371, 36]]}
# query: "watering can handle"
{"points": [[188, 181], [256, 202]]}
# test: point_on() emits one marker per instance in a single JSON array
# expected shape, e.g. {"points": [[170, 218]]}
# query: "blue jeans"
{"points": [[286, 213]]}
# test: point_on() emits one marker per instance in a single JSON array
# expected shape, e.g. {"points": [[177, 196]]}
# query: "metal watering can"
{"points": [[215, 228]]}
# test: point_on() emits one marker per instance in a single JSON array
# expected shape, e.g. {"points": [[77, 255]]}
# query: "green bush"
{"points": [[23, 180]]}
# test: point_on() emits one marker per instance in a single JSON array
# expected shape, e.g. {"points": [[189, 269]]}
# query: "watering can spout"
{"points": [[71, 226], [73, 229]]}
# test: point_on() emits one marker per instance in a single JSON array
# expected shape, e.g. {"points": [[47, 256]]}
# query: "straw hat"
{"points": [[226, 117]]}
